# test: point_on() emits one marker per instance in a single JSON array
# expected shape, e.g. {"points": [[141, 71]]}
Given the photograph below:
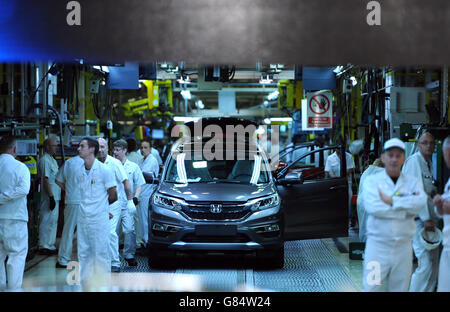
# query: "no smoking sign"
{"points": [[319, 114]]}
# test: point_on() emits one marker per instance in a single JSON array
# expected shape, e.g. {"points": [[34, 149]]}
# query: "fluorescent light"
{"points": [[184, 80], [200, 104], [338, 69], [265, 79], [267, 121], [186, 94], [185, 119], [281, 119], [353, 80], [272, 96]]}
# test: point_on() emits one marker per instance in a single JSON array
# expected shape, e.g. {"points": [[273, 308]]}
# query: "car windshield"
{"points": [[243, 168]]}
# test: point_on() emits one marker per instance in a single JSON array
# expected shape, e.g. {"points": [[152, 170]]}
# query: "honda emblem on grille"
{"points": [[215, 208]]}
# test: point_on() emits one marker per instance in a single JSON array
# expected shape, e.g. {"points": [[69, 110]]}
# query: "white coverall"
{"points": [[362, 215], [68, 174], [333, 164], [93, 227], [150, 165], [48, 223], [390, 230], [14, 188], [444, 265], [136, 179], [424, 278], [119, 176]]}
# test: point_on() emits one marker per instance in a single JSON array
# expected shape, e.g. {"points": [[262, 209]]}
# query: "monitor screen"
{"points": [[158, 134]]}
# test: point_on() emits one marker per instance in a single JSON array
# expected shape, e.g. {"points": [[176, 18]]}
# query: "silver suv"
{"points": [[233, 204]]}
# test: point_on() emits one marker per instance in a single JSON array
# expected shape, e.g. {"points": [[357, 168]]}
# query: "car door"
{"points": [[316, 206]]}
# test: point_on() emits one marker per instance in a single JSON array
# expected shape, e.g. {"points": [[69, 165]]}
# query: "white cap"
{"points": [[429, 239], [394, 143]]}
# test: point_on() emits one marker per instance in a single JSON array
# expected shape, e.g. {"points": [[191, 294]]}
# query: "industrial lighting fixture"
{"points": [[274, 95], [338, 69], [267, 121], [353, 80], [281, 119], [186, 94], [200, 104], [185, 119], [266, 78], [184, 79]]}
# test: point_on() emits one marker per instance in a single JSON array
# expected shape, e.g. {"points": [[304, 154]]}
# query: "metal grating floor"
{"points": [[309, 267]]}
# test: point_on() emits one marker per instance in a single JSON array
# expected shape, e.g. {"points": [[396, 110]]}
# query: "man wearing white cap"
{"points": [[419, 165], [392, 201], [442, 203]]}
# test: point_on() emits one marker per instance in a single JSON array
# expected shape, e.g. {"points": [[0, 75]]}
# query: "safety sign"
{"points": [[320, 109]]}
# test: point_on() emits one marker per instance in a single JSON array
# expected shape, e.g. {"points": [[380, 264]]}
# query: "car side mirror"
{"points": [[150, 179], [291, 178]]}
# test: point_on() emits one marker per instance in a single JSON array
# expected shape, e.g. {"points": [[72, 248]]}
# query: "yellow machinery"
{"points": [[152, 100]]}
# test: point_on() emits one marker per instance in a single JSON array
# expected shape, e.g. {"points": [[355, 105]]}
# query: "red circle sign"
{"points": [[319, 104]]}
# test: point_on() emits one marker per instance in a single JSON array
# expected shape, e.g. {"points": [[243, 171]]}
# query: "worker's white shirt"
{"points": [[149, 164], [134, 174], [446, 217], [14, 188], [68, 174], [155, 154], [417, 166], [394, 222], [49, 168], [119, 175], [135, 157], [333, 164], [94, 185]]}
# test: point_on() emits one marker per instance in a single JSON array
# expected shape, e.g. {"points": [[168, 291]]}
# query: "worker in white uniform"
{"points": [[442, 203], [93, 228], [14, 188], [392, 201], [333, 169], [149, 166], [67, 180], [362, 215], [419, 165], [129, 211], [50, 197], [133, 154], [155, 154], [123, 194]]}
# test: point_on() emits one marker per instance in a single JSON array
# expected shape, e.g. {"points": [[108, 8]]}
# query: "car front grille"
{"points": [[238, 238], [229, 211]]}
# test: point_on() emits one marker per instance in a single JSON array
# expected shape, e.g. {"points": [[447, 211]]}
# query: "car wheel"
{"points": [[271, 259]]}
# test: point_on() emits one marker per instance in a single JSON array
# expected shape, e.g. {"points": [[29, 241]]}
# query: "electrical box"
{"points": [[408, 100], [27, 147], [94, 86]]}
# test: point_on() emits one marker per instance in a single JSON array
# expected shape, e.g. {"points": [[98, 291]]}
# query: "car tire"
{"points": [[271, 259]]}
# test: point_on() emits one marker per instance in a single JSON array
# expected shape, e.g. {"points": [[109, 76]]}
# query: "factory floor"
{"points": [[320, 265]]}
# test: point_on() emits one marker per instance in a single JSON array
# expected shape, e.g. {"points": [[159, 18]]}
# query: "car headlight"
{"points": [[168, 202], [264, 202]]}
